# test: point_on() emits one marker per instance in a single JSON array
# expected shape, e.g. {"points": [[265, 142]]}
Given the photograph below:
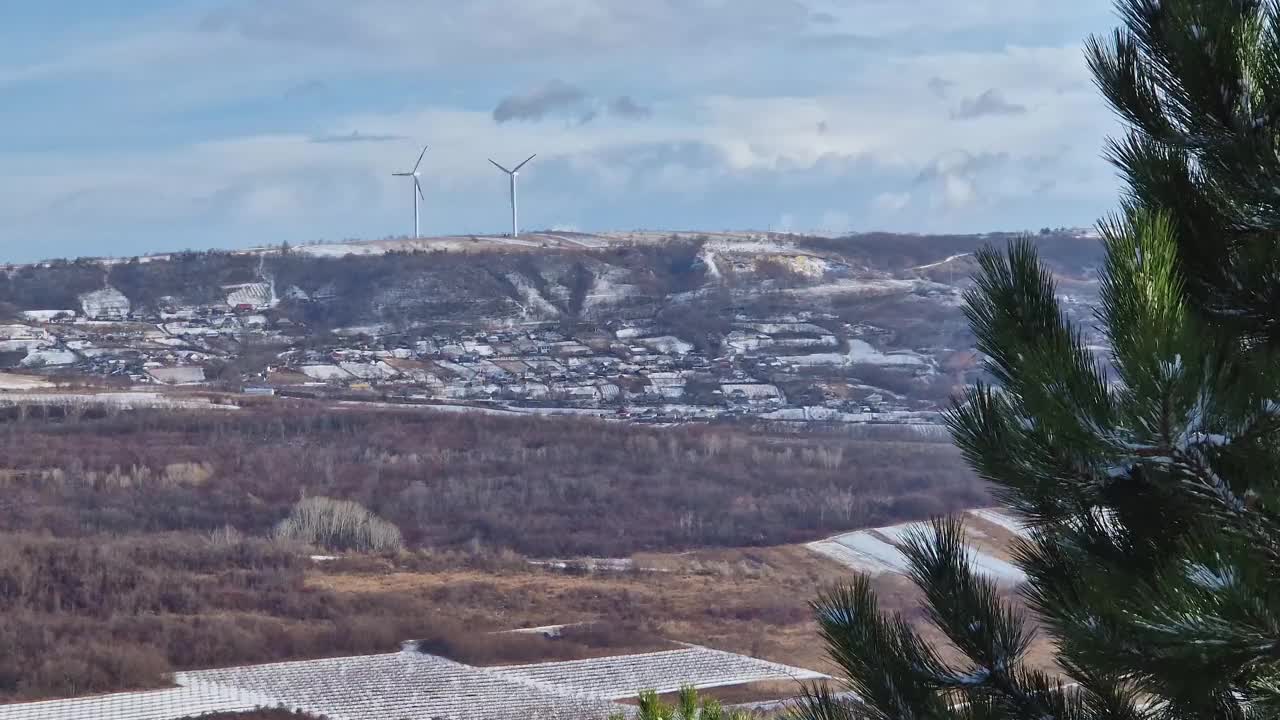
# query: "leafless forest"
{"points": [[136, 544], [554, 487]]}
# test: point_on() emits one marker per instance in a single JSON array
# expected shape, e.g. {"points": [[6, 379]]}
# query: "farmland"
{"points": [[404, 683], [140, 550], [758, 611], [138, 542]]}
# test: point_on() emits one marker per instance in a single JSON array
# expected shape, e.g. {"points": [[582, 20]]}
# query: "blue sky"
{"points": [[148, 125]]}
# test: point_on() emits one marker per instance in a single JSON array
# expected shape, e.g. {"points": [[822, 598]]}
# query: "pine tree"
{"points": [[1152, 488]]}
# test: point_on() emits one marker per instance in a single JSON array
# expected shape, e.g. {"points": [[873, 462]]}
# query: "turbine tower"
{"points": [[417, 187], [515, 227]]}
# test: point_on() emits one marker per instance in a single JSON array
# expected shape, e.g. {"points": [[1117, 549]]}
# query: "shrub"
{"points": [[338, 525]]}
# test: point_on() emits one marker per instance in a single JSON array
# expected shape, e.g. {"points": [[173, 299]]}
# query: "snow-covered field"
{"points": [[191, 700], [401, 685], [123, 400], [860, 352], [409, 684], [618, 678], [877, 551], [12, 381]]}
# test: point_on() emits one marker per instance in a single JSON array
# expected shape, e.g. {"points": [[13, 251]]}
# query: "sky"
{"points": [[140, 126]]}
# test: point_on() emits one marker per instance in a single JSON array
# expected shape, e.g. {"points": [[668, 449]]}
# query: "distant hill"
{"points": [[880, 313]]}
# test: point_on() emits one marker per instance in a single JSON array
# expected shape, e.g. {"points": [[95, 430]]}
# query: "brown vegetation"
{"points": [[554, 487], [133, 545], [576, 642], [256, 715], [98, 614]]}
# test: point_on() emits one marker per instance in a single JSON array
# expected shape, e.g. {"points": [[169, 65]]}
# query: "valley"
{"points": [[634, 444]]}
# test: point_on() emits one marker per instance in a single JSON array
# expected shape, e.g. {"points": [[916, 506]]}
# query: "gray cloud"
{"points": [[625, 106], [991, 102], [940, 86], [355, 137], [960, 163], [558, 98], [554, 97]]}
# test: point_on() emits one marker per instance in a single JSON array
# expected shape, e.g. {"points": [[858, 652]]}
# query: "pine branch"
{"points": [[881, 657], [967, 608]]}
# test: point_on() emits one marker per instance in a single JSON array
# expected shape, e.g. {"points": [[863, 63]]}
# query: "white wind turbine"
{"points": [[417, 187], [515, 227]]}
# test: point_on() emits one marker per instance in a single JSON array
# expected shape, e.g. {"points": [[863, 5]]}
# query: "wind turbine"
{"points": [[515, 227], [417, 190]]}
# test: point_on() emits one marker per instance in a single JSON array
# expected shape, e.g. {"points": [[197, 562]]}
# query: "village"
{"points": [[793, 368]]}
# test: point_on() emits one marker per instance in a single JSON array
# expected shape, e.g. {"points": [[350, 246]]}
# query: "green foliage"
{"points": [[1154, 561], [688, 706], [687, 703], [651, 707]]}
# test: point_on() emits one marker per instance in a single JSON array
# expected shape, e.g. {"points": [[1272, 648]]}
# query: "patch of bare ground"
{"points": [[990, 538]]}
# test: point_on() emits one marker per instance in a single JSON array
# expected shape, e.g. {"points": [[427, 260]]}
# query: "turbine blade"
{"points": [[526, 162], [424, 152], [418, 185], [500, 167], [401, 174]]}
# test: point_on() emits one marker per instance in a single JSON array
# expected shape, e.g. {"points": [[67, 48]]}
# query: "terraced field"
{"points": [[190, 700], [411, 684], [404, 684], [618, 678]]}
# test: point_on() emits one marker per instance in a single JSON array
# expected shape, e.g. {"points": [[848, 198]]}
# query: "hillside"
{"points": [[644, 325]]}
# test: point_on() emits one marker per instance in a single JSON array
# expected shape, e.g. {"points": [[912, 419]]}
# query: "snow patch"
{"points": [[878, 551], [860, 352]]}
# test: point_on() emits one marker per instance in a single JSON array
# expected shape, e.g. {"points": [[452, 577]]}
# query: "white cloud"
{"points": [[705, 118]]}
